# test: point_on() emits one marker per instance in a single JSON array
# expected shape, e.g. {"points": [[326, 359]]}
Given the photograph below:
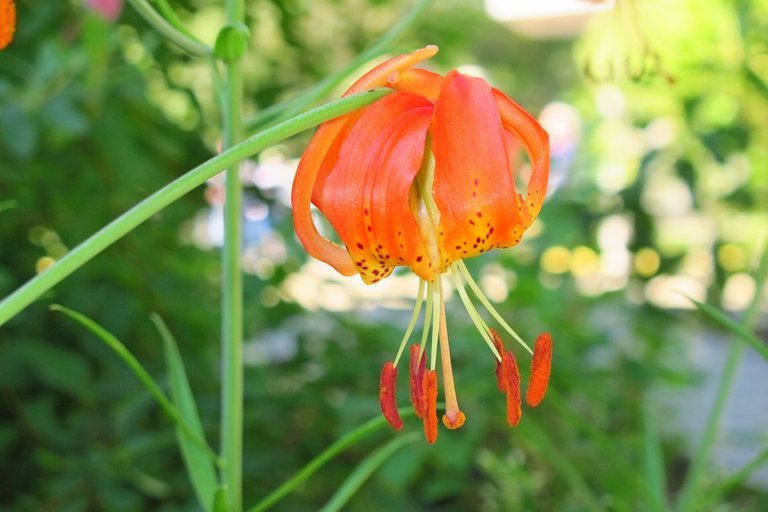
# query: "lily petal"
{"points": [[321, 156], [379, 76], [366, 196], [473, 181], [418, 81], [536, 143], [318, 246]]}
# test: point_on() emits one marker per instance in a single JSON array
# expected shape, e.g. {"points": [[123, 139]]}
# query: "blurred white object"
{"points": [[546, 19]]}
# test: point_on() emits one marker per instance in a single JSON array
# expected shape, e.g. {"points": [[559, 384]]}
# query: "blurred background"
{"points": [[658, 117]]}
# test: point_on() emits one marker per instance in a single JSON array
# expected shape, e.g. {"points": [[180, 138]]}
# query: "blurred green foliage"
{"points": [[95, 116]]}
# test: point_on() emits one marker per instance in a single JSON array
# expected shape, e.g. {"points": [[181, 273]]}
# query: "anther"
{"points": [[387, 395], [499, 344], [511, 379], [429, 411], [415, 378], [541, 366]]}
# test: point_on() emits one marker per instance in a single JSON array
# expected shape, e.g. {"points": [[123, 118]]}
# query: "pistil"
{"points": [[453, 417]]}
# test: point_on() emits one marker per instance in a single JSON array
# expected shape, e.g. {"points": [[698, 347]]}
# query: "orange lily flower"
{"points": [[7, 22], [424, 178]]}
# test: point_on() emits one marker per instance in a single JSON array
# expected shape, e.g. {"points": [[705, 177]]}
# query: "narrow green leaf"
{"points": [[364, 470], [740, 331], [691, 491], [135, 366], [350, 438], [200, 468], [653, 461]]}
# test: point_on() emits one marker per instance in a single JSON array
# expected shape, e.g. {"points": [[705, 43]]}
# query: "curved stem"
{"points": [[349, 439], [121, 226], [173, 34], [232, 283]]}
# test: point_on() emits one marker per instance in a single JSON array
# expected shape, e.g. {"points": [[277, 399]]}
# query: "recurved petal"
{"points": [[536, 143], [366, 196], [418, 81], [474, 186], [379, 76], [318, 158]]}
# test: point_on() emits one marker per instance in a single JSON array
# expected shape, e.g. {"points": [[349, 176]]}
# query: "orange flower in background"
{"points": [[7, 22], [424, 178]]}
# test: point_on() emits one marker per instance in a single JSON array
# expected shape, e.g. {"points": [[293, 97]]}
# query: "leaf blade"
{"points": [[200, 468]]}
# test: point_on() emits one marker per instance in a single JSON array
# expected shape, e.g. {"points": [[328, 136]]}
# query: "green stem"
{"points": [[315, 464], [364, 471], [170, 15], [232, 283], [166, 29], [285, 109], [96, 243], [700, 462]]}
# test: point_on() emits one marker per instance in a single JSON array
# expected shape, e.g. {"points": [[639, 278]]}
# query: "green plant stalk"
{"points": [[170, 15], [285, 109], [232, 283], [166, 29], [690, 488], [364, 471], [350, 438], [112, 232]]}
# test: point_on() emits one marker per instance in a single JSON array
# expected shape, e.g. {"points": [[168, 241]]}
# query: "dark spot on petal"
{"points": [[419, 258], [359, 245]]}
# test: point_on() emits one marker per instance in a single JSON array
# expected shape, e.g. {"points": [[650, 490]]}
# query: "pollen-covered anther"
{"points": [[387, 395], [499, 344], [511, 379], [429, 410], [541, 366], [415, 378]]}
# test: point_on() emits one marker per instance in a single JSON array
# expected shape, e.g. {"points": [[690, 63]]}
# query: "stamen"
{"points": [[511, 378], [416, 376], [427, 321], [429, 413], [541, 366], [480, 295], [499, 343], [412, 323], [435, 321], [480, 324], [453, 417], [387, 395]]}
